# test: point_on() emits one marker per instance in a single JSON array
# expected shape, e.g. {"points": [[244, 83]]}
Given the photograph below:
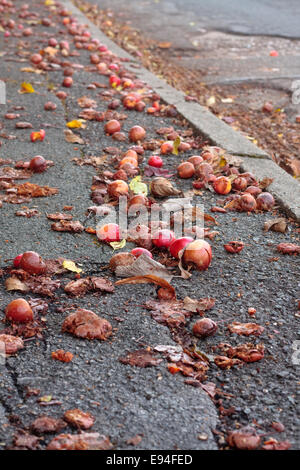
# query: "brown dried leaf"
{"points": [[140, 358], [34, 190], [72, 138], [67, 226], [86, 324], [12, 344], [144, 266], [288, 248], [79, 419], [276, 225], [45, 424], [200, 305], [82, 441], [59, 216], [13, 283], [245, 329], [149, 279]]}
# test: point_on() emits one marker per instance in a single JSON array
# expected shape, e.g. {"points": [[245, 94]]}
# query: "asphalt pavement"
{"points": [[129, 401]]}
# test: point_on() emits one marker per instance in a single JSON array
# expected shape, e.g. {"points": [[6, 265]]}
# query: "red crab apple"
{"points": [[198, 253], [137, 133], [163, 238], [178, 245], [117, 188], [185, 170], [37, 135], [141, 251], [156, 161], [109, 233], [114, 80], [38, 164], [67, 82], [36, 58], [265, 201], [19, 310], [222, 185], [17, 260], [112, 126], [32, 262]]}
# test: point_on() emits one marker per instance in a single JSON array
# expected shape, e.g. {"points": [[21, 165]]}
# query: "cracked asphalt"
{"points": [[125, 400]]}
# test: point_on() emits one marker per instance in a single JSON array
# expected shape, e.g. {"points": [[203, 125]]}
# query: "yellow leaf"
{"points": [[118, 245], [210, 101], [137, 186], [71, 266], [26, 88], [45, 398], [76, 124], [176, 144], [49, 3]]}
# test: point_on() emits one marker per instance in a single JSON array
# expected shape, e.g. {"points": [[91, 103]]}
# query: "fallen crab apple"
{"points": [[31, 262], [178, 245], [234, 246], [19, 310], [37, 135], [163, 238], [108, 233], [197, 254], [38, 164]]}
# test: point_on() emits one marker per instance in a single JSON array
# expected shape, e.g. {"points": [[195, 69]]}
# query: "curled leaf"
{"points": [[161, 187], [137, 186], [118, 245], [71, 266], [26, 88], [149, 279]]}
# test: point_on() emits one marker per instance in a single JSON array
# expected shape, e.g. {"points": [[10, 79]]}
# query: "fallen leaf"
{"points": [[140, 358], [79, 419], [13, 283], [72, 138], [137, 186], [288, 248], [26, 88], [86, 324], [67, 226], [71, 266], [46, 424], [76, 124], [276, 225], [118, 245], [245, 329], [82, 441], [143, 266], [61, 355]]}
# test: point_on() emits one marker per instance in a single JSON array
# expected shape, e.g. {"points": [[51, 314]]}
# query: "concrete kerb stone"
{"points": [[285, 188]]}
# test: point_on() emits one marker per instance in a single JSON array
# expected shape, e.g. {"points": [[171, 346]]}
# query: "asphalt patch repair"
{"points": [[150, 376]]}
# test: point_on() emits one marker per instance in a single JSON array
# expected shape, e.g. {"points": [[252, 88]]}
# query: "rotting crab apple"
{"points": [[163, 238], [19, 310], [108, 233], [265, 201], [198, 253], [178, 245], [204, 327], [117, 188], [222, 185], [32, 263]]}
